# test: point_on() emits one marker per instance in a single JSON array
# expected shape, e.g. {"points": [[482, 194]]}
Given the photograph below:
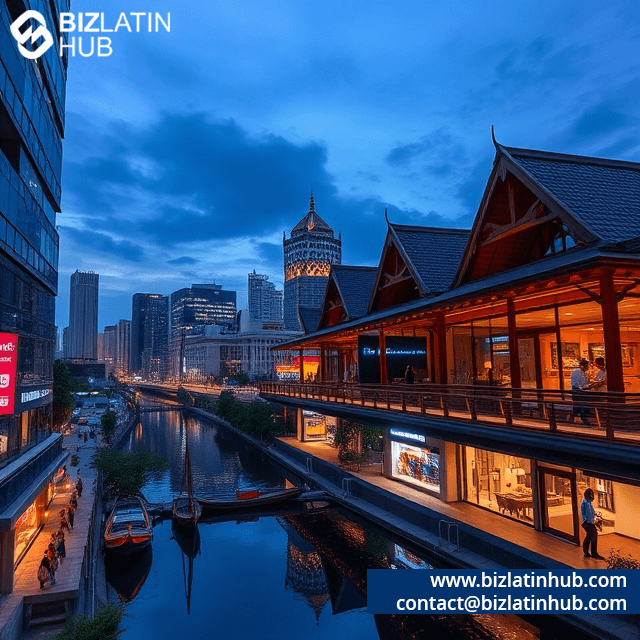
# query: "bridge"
{"points": [[151, 408]]}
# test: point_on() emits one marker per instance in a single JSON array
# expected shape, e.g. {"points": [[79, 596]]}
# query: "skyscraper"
{"points": [[265, 301], [83, 316], [149, 335], [197, 306], [308, 256], [31, 130], [123, 346]]}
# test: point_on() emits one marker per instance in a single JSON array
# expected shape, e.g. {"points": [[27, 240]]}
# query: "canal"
{"points": [[293, 574]]}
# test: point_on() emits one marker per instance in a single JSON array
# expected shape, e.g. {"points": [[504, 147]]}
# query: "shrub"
{"points": [[104, 626], [124, 473], [618, 561], [108, 421]]}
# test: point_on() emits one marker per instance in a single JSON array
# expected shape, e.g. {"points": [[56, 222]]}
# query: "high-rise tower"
{"points": [[149, 335], [308, 256], [83, 316]]}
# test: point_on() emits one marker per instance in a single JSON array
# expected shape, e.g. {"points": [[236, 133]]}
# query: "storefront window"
{"points": [[629, 314], [417, 465], [28, 526], [499, 482]]}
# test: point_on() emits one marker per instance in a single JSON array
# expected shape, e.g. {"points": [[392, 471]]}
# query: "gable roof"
{"points": [[602, 194], [309, 318], [355, 285], [433, 254]]}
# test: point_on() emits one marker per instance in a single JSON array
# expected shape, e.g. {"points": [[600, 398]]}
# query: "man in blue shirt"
{"points": [[588, 524]]}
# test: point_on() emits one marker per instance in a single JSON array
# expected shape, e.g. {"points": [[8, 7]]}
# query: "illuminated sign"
{"points": [[8, 362], [30, 396], [407, 435]]}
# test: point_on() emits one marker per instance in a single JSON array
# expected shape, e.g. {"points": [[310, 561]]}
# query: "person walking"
{"points": [[63, 521], [409, 376], [79, 487], [73, 500], [61, 550], [579, 383], [71, 513], [53, 564], [588, 524], [43, 570]]}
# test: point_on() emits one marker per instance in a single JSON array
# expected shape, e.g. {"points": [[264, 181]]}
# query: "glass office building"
{"points": [[32, 97]]}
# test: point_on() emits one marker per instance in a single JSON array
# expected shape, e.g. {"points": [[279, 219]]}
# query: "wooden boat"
{"points": [[128, 528], [186, 509], [250, 499]]}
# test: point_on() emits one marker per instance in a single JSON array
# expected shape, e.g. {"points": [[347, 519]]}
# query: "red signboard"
{"points": [[8, 365]]}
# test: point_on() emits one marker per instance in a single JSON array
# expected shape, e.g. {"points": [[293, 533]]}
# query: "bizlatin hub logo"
{"points": [[41, 39]]}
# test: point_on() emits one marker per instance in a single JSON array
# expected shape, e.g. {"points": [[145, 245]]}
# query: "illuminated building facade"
{"points": [[308, 255], [265, 301], [32, 95], [494, 322], [123, 346]]}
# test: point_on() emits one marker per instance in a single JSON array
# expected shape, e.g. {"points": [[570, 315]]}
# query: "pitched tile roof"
{"points": [[312, 221], [355, 285], [309, 318], [604, 195], [434, 253]]}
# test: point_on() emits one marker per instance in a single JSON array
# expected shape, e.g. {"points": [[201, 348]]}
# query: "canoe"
{"points": [[128, 528], [250, 499]]}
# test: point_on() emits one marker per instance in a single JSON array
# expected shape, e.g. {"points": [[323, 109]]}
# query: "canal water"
{"points": [[287, 575]]}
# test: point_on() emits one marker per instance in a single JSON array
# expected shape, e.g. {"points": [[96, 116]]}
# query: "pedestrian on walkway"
{"points": [[53, 565], [63, 521], [43, 570], [73, 500], [79, 487], [60, 548], [71, 513], [589, 525]]}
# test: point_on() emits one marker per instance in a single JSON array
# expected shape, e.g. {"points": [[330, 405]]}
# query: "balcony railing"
{"points": [[591, 415]]}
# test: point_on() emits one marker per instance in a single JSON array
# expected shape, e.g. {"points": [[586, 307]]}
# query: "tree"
{"points": [[124, 473], [108, 421], [63, 400]]}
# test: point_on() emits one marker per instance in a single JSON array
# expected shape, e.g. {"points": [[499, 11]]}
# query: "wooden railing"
{"points": [[609, 416]]}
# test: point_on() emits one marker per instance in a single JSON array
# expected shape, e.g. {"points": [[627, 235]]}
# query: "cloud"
{"points": [[95, 241], [183, 260]]}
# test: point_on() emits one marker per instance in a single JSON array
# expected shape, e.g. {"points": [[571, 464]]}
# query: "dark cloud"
{"points": [[270, 252], [183, 260], [600, 120], [438, 152], [94, 241], [471, 190]]}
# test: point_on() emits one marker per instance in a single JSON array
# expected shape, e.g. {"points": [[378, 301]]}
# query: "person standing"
{"points": [[600, 381], [409, 376], [53, 564], [43, 570], [71, 512], [79, 487], [63, 521], [580, 382], [61, 550], [588, 524]]}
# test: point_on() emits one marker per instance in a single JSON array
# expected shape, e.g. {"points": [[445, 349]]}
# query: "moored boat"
{"points": [[186, 509], [250, 499], [128, 528]]}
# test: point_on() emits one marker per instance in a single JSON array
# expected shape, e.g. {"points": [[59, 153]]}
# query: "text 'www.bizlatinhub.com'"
{"points": [[540, 591]]}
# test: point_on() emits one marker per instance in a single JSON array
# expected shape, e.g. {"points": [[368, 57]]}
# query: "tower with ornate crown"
{"points": [[308, 256]]}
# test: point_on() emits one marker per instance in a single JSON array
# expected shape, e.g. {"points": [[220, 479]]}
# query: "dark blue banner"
{"points": [[517, 591]]}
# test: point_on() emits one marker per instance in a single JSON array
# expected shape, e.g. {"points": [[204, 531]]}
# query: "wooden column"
{"points": [[559, 348], [440, 335], [611, 328], [323, 363], [301, 364], [514, 353], [384, 375]]}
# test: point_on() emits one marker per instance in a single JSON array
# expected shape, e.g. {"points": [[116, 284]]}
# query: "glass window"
{"points": [[417, 465]]}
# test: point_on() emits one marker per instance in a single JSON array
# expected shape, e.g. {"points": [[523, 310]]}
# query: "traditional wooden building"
{"points": [[494, 323]]}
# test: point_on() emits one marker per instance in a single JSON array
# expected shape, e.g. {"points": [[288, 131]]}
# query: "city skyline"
{"points": [[177, 172]]}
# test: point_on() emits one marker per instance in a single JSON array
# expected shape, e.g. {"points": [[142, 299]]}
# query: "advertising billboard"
{"points": [[8, 367], [401, 351]]}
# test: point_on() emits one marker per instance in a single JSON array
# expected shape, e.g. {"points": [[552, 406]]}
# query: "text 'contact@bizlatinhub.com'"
{"points": [[518, 591]]}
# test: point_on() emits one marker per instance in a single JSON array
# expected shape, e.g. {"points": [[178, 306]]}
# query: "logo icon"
{"points": [[4, 380], [30, 34], [4, 401]]}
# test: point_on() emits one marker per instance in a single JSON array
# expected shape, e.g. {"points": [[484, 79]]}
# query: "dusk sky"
{"points": [[187, 154]]}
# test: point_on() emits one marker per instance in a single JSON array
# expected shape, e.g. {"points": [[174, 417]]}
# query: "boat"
{"points": [[250, 499], [186, 509], [128, 528]]}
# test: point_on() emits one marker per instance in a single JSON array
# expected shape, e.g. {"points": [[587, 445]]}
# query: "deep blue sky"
{"points": [[188, 154]]}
